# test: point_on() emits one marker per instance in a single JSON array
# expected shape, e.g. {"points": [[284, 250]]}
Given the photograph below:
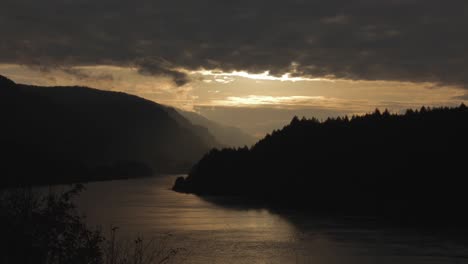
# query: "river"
{"points": [[210, 232]]}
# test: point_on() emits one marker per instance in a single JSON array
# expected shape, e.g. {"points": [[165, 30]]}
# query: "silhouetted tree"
{"points": [[45, 229], [381, 163]]}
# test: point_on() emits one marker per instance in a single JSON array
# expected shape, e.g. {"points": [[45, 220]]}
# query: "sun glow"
{"points": [[265, 76], [258, 100]]}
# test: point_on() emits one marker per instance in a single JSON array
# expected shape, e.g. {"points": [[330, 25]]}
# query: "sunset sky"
{"points": [[253, 64]]}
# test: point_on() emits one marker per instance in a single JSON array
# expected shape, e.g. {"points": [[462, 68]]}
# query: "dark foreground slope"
{"points": [[393, 165], [60, 134]]}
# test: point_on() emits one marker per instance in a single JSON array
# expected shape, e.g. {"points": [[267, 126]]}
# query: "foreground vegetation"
{"points": [[47, 229], [408, 167]]}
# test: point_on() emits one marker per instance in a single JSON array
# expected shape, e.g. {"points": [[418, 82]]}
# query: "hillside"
{"points": [[228, 136], [62, 133], [397, 166]]}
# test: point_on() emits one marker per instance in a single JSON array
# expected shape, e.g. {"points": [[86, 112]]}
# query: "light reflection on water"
{"points": [[213, 233]]}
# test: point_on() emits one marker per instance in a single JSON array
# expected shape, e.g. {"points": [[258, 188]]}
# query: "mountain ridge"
{"points": [[228, 136], [80, 127]]}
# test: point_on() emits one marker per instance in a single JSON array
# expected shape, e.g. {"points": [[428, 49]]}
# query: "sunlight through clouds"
{"points": [[265, 76], [239, 89], [293, 102], [256, 100]]}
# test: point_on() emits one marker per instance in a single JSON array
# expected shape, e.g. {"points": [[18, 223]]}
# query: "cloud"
{"points": [[461, 97], [84, 75], [261, 100], [162, 67], [315, 102], [265, 76], [411, 40]]}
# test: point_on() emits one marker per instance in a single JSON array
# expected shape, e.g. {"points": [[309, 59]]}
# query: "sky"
{"points": [[252, 64]]}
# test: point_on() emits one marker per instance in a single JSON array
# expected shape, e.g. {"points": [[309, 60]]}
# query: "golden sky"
{"points": [[256, 103]]}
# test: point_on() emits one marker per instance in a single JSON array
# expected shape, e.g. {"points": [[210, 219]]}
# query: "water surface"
{"points": [[213, 233]]}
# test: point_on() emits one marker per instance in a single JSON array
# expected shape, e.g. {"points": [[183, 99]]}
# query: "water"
{"points": [[213, 233]]}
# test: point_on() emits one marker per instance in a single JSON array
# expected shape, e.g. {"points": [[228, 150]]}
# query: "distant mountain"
{"points": [[410, 166], [226, 135], [62, 133]]}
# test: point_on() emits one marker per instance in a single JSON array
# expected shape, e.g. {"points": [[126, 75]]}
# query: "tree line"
{"points": [[404, 166]]}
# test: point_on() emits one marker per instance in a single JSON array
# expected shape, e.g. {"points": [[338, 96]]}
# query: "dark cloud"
{"points": [[461, 97], [407, 40], [161, 67], [83, 75]]}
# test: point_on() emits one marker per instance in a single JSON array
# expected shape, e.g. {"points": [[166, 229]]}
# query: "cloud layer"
{"points": [[403, 40]]}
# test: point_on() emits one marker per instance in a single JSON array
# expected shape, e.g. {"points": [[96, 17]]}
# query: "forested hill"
{"points": [[58, 134], [382, 163]]}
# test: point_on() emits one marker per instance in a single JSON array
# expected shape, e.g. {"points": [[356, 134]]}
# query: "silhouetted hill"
{"points": [[6, 83], [61, 133], [226, 135], [410, 166]]}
